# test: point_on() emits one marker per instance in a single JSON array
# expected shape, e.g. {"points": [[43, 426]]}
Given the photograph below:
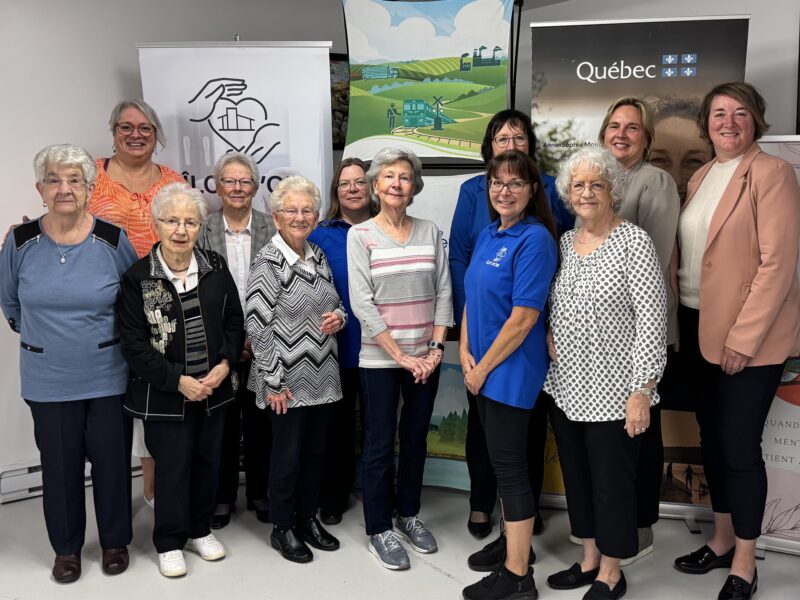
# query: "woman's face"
{"points": [[297, 219], [679, 150], [64, 190], [236, 186], [134, 146], [730, 127], [352, 189], [510, 137], [510, 203], [589, 194], [178, 227], [625, 136], [394, 185]]}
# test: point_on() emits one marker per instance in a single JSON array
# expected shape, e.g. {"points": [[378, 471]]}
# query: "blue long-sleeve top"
{"points": [[331, 237], [472, 216]]}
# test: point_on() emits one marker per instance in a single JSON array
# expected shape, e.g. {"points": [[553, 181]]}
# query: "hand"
{"points": [[732, 362], [415, 366], [551, 346], [25, 219], [193, 389], [279, 403], [475, 379], [637, 414], [466, 359], [331, 323], [247, 352], [217, 375], [206, 99]]}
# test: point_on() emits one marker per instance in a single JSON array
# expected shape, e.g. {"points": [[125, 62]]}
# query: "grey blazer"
{"points": [[212, 236]]}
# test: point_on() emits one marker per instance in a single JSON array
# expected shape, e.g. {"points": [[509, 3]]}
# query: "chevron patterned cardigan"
{"points": [[284, 313]]}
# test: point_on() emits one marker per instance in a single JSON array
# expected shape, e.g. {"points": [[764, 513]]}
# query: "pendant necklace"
{"points": [[61, 252]]}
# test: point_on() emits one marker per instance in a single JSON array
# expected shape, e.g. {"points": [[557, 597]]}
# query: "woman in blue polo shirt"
{"points": [[503, 352]]}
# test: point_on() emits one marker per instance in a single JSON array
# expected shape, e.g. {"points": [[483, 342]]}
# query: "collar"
{"points": [[334, 223], [515, 230], [248, 228], [290, 255], [193, 268], [159, 271]]}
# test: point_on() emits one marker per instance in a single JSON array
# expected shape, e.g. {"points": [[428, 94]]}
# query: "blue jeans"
{"points": [[381, 389]]}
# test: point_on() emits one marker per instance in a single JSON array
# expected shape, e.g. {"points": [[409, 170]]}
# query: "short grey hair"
{"points": [[240, 158], [298, 184], [144, 108], [389, 156], [596, 159], [67, 155], [178, 192]]}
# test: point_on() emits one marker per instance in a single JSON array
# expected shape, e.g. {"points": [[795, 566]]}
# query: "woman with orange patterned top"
{"points": [[125, 186]]}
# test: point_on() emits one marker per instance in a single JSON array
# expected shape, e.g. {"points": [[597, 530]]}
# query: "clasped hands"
{"points": [[421, 368], [195, 390]]}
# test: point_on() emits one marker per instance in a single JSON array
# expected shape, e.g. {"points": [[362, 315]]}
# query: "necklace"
{"points": [[599, 238], [61, 252]]}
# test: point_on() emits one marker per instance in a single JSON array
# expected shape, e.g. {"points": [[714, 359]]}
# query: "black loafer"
{"points": [[479, 530], [601, 591], [314, 534], [703, 560], [115, 560], [67, 568], [290, 546], [261, 514], [330, 518], [736, 588], [219, 521], [572, 578], [493, 555]]}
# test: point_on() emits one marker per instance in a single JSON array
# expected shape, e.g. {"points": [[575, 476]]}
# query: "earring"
{"points": [[44, 204]]}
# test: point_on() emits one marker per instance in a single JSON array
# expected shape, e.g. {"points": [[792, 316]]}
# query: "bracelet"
{"points": [[645, 391]]}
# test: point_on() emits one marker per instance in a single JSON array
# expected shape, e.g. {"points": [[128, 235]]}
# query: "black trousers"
{"points": [[598, 461], [187, 455], [506, 430], [243, 419], [731, 412], [483, 483], [67, 433], [339, 472], [296, 464]]}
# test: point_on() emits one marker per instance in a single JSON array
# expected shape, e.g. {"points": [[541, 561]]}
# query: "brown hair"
{"points": [[511, 117], [644, 112], [335, 211], [745, 93]]}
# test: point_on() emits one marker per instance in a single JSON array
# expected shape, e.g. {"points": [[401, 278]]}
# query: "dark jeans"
{"points": [[506, 430], [339, 472], [296, 464], [382, 388], [187, 455], [67, 433], [598, 461], [483, 483], [731, 412], [243, 419]]}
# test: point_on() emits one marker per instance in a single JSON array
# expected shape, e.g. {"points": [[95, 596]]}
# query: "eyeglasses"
{"points": [[229, 182], [514, 186], [596, 187], [145, 130], [293, 212], [173, 224], [75, 183], [345, 184], [505, 140]]}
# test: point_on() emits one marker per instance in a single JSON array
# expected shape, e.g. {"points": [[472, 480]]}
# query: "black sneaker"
{"points": [[500, 585], [492, 556]]}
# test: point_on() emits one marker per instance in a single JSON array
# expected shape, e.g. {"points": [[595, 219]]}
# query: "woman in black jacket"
{"points": [[181, 327]]}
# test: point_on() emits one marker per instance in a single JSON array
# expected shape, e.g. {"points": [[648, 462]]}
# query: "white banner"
{"points": [[269, 100]]}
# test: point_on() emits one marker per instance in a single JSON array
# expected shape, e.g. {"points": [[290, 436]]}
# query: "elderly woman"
{"points": [[182, 330], [237, 233], [400, 291], [350, 205], [739, 316], [503, 352], [649, 200], [508, 130], [608, 322], [293, 312], [59, 280]]}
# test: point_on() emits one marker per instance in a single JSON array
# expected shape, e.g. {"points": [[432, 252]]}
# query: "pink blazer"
{"points": [[749, 290]]}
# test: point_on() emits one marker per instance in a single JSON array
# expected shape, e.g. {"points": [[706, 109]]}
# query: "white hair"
{"points": [[67, 155]]}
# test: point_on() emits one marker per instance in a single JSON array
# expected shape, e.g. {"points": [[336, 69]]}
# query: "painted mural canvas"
{"points": [[427, 75]]}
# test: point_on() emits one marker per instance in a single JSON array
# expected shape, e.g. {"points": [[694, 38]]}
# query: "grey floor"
{"points": [[252, 569]]}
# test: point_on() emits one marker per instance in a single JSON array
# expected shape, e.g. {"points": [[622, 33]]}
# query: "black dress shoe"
{"points": [[330, 518], [503, 585], [290, 546], [115, 560], [67, 568], [736, 588], [479, 530], [572, 578], [703, 560], [315, 535], [601, 591], [262, 514], [493, 555], [220, 521]]}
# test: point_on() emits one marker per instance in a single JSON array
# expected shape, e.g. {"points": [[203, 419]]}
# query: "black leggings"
{"points": [[506, 430]]}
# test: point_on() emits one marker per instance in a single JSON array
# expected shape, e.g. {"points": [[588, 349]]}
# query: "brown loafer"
{"points": [[67, 568], [115, 560]]}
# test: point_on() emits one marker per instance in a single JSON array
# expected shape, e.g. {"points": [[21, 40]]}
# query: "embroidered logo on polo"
{"points": [[501, 254]]}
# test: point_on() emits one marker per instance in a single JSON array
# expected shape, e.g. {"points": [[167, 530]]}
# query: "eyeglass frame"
{"points": [[508, 185], [168, 223], [244, 182], [519, 139], [55, 182], [293, 213], [153, 129]]}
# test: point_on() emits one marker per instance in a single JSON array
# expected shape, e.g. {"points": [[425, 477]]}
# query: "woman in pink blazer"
{"points": [[739, 318]]}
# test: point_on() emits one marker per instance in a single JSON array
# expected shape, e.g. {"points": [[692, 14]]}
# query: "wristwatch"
{"points": [[434, 345], [645, 391]]}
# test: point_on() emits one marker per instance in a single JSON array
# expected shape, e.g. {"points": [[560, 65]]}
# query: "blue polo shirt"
{"points": [[511, 268]]}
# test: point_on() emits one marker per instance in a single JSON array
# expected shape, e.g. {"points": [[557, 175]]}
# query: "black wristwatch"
{"points": [[434, 345]]}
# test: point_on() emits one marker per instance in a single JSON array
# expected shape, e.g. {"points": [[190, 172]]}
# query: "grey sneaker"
{"points": [[413, 531], [388, 550], [645, 546]]}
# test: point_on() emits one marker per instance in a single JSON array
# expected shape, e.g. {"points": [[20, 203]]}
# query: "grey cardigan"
{"points": [[212, 236]]}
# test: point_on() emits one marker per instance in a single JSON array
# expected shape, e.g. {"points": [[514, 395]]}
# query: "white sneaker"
{"points": [[172, 564], [208, 547]]}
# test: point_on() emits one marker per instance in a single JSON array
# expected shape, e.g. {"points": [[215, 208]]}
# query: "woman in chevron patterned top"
{"points": [[293, 314]]}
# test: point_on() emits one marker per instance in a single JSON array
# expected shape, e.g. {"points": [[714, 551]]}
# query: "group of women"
{"points": [[566, 292]]}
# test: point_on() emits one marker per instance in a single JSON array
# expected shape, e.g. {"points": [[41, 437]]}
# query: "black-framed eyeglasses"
{"points": [[514, 186], [145, 129]]}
